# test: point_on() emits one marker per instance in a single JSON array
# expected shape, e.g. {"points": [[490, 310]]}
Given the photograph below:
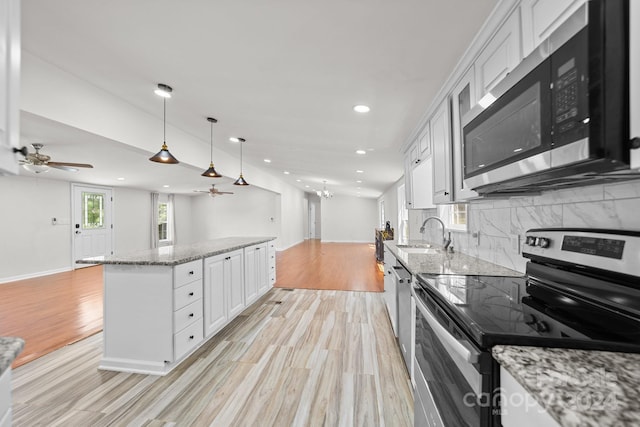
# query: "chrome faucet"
{"points": [[445, 241]]}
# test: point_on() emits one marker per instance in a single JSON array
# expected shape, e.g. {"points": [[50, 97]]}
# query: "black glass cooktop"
{"points": [[513, 310]]}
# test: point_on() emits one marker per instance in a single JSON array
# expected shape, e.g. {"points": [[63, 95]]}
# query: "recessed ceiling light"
{"points": [[298, 180], [120, 179], [359, 188], [267, 160], [359, 171], [306, 186], [361, 152], [165, 186], [234, 139], [359, 181], [361, 108], [286, 172]]}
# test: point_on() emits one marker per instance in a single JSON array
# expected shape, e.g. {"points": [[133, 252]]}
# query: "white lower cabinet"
{"points": [[5, 398], [518, 408], [256, 271], [224, 293], [272, 263], [390, 289], [152, 316]]}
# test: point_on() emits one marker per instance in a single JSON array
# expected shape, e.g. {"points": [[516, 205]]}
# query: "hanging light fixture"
{"points": [[241, 180], [325, 194], [211, 172], [164, 156]]}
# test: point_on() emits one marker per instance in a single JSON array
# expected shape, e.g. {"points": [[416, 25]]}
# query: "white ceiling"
{"points": [[284, 74]]}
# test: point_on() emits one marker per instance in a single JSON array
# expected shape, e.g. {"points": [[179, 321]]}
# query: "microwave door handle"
{"points": [[462, 348]]}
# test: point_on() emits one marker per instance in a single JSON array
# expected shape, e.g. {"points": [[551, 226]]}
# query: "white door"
{"points": [[91, 226], [312, 220], [215, 307]]}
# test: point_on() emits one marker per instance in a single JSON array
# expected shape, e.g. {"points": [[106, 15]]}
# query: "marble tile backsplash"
{"points": [[496, 227]]}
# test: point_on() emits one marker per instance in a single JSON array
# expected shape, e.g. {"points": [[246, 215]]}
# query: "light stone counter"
{"points": [[10, 348], [578, 388], [179, 254], [441, 262]]}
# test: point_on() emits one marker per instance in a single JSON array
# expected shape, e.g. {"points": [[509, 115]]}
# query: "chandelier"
{"points": [[325, 194]]}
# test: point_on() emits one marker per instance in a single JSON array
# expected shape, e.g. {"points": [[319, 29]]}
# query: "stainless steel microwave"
{"points": [[561, 117]]}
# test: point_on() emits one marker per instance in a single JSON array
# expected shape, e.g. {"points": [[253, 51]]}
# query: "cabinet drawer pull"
{"points": [[190, 314], [191, 337], [190, 294], [191, 273]]}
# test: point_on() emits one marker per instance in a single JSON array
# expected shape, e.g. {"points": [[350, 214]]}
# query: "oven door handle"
{"points": [[462, 348]]}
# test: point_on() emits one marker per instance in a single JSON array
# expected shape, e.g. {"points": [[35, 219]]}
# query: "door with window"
{"points": [[91, 226]]}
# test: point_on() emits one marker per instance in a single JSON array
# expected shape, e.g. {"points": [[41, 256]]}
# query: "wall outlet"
{"points": [[54, 221]]}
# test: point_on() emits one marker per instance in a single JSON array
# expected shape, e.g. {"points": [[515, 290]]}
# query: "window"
{"points": [[92, 211], [454, 216], [403, 214], [382, 214], [163, 222]]}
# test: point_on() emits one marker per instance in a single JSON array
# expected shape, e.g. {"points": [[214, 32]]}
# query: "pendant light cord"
{"points": [[164, 119], [212, 142], [240, 157]]}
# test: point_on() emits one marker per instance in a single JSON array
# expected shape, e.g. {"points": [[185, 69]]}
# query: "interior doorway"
{"points": [[315, 228], [92, 222]]}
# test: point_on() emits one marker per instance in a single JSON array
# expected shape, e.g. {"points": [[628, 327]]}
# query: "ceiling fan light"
{"points": [[211, 172], [163, 91], [36, 168], [164, 156]]}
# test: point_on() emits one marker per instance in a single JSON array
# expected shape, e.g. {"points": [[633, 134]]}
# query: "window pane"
{"points": [[162, 221], [459, 214], [92, 211]]}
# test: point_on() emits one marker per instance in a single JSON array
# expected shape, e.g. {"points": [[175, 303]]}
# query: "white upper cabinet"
{"points": [[541, 17], [499, 56], [424, 142], [422, 185], [463, 98], [9, 85], [441, 142]]}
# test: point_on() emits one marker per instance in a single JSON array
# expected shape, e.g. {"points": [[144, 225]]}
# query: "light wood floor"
{"points": [[335, 266], [52, 311], [295, 358]]}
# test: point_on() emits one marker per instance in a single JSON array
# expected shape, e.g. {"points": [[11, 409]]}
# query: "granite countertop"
{"points": [[441, 262], [582, 388], [179, 254], [10, 348]]}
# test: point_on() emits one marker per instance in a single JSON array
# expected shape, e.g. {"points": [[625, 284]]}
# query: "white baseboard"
{"points": [[348, 241], [284, 248], [34, 275]]}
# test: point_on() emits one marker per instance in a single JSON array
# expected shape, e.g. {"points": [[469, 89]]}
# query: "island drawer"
{"points": [[188, 272], [187, 339], [187, 315], [187, 294]]}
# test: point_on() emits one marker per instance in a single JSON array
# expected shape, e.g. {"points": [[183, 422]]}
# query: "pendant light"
{"points": [[164, 156], [241, 180], [211, 172]]}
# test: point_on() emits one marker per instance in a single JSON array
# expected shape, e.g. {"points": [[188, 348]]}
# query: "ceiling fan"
{"points": [[39, 163], [213, 191]]}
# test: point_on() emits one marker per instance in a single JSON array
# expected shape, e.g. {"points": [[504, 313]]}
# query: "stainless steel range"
{"points": [[581, 290]]}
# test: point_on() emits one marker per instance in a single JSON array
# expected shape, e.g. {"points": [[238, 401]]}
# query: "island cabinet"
{"points": [[224, 293], [256, 270], [5, 398], [272, 263], [152, 316]]}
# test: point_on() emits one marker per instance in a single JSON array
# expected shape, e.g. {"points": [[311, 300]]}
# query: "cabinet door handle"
{"points": [[446, 193], [190, 314], [191, 337], [190, 294], [191, 273]]}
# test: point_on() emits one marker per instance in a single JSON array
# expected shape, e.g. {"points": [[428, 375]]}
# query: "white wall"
{"points": [[349, 219], [32, 246], [390, 198], [250, 211], [30, 243]]}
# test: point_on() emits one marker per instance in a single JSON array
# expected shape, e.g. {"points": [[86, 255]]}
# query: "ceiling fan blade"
{"points": [[72, 165], [200, 191], [63, 167], [224, 192]]}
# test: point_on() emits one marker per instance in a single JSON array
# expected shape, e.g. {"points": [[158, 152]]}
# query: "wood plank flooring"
{"points": [[335, 266], [294, 358], [51, 311]]}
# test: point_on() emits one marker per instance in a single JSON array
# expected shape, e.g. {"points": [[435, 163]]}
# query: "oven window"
{"points": [[506, 133], [454, 398]]}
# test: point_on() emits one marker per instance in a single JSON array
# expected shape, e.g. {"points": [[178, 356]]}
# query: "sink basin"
{"points": [[418, 250], [415, 245]]}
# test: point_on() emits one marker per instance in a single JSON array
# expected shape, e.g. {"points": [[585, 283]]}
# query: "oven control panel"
{"points": [[613, 250]]}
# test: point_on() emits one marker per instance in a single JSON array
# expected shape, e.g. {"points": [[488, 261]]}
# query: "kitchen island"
{"points": [[161, 304]]}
